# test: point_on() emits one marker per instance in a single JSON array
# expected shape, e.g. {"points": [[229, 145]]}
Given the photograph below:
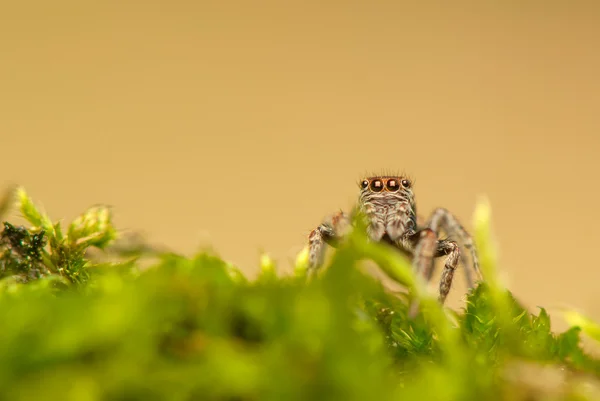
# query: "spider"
{"points": [[387, 205]]}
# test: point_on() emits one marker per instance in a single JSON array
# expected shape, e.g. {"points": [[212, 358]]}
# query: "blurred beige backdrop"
{"points": [[241, 124]]}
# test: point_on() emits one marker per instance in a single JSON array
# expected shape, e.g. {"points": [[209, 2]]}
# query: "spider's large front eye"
{"points": [[393, 185], [406, 183], [364, 184], [376, 185]]}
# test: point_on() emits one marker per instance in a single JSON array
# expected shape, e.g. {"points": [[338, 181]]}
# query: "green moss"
{"points": [[194, 328]]}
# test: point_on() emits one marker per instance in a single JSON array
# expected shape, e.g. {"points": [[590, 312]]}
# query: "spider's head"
{"points": [[387, 196], [388, 189]]}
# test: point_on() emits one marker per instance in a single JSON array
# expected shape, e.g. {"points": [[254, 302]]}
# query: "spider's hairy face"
{"points": [[388, 204]]}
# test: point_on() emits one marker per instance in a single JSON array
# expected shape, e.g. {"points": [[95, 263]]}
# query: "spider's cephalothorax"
{"points": [[386, 203], [388, 206]]}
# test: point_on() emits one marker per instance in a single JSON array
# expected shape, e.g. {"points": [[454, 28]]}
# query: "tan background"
{"points": [[241, 124]]}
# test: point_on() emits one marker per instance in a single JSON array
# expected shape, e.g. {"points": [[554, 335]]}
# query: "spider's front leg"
{"points": [[426, 247], [442, 219], [452, 251], [330, 232]]}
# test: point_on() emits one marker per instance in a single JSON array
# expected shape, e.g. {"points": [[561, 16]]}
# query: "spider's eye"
{"points": [[364, 184], [392, 185], [406, 183], [376, 185]]}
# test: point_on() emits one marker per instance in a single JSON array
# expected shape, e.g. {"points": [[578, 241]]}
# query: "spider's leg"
{"points": [[424, 252], [450, 248], [426, 247], [332, 230], [442, 219], [423, 245]]}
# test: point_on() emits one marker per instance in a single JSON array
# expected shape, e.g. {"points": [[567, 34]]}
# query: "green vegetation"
{"points": [[195, 328]]}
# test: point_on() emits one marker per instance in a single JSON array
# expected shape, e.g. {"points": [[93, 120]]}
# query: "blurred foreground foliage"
{"points": [[195, 328]]}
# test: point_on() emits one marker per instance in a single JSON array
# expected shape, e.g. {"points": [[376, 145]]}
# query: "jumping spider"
{"points": [[387, 205]]}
